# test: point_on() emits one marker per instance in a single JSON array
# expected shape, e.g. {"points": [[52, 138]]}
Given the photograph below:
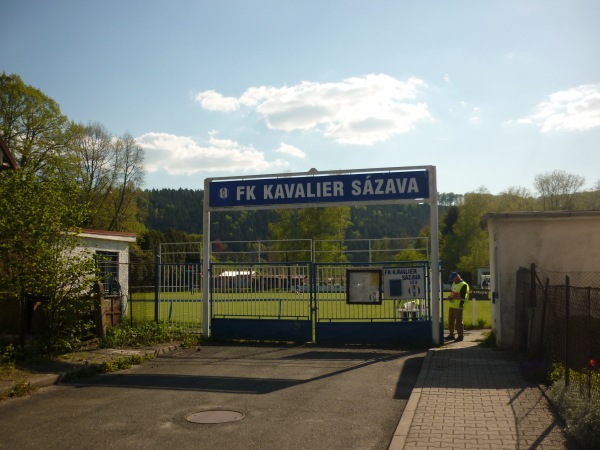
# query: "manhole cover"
{"points": [[214, 416]]}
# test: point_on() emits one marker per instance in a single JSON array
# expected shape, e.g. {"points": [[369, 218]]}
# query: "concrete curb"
{"points": [[96, 357]]}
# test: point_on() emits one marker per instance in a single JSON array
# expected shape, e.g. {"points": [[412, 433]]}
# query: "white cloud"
{"points": [[575, 109], [181, 155], [213, 101], [476, 113], [358, 110], [291, 150]]}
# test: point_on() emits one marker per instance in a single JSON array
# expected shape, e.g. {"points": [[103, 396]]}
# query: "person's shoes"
{"points": [[458, 339], [450, 337]]}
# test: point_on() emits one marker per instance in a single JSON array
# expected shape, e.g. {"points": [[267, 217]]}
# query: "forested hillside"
{"points": [[181, 209]]}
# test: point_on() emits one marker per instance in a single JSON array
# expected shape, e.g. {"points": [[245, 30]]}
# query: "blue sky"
{"points": [[490, 92]]}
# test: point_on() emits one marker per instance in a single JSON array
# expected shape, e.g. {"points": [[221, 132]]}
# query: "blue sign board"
{"points": [[338, 188]]}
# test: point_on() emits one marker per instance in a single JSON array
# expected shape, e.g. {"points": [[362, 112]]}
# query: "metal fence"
{"points": [[564, 326], [276, 291], [168, 286], [264, 296], [287, 290], [262, 251]]}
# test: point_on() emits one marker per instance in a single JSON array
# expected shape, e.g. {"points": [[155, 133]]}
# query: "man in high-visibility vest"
{"points": [[459, 294]]}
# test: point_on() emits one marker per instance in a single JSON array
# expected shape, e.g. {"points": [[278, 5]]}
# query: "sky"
{"points": [[491, 92]]}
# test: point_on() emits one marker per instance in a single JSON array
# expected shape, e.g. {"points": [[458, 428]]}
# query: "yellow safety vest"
{"points": [[455, 289]]}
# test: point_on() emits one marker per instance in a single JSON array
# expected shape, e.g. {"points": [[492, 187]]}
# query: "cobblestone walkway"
{"points": [[470, 397]]}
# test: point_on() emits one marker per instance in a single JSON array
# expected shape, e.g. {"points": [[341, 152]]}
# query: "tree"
{"points": [[466, 248], [110, 178], [94, 151], [285, 231], [410, 255], [130, 177], [40, 251], [514, 199], [557, 189], [109, 170], [326, 225], [449, 199], [32, 125]]}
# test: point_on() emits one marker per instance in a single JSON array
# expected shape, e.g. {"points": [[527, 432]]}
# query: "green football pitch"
{"points": [[186, 307]]}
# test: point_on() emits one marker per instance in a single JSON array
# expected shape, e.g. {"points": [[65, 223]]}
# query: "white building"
{"points": [[112, 248], [558, 241]]}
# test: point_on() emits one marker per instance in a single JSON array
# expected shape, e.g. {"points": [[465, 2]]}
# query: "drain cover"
{"points": [[214, 416]]}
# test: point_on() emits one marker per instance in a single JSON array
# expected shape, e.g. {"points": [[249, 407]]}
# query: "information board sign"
{"points": [[404, 282], [364, 287]]}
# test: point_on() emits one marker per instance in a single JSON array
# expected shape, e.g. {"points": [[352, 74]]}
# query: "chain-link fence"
{"points": [[564, 326]]}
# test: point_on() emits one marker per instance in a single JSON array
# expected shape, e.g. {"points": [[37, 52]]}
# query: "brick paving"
{"points": [[470, 397]]}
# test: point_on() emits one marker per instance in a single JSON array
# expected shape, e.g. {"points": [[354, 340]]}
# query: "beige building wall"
{"points": [[561, 241]]}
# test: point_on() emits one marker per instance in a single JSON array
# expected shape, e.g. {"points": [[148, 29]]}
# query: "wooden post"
{"points": [[98, 293]]}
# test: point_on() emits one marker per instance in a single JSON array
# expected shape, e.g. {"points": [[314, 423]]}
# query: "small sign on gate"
{"points": [[404, 282]]}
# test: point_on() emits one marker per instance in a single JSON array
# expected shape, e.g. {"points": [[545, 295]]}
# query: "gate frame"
{"points": [[431, 198]]}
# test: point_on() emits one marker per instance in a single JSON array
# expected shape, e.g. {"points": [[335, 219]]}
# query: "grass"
{"points": [[144, 334], [16, 362], [488, 340], [108, 366], [186, 307], [21, 389], [482, 318]]}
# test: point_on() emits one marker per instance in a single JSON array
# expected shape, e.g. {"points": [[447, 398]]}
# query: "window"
{"points": [[108, 265]]}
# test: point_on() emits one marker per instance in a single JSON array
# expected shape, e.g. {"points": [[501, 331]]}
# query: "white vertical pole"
{"points": [[435, 257], [206, 259]]}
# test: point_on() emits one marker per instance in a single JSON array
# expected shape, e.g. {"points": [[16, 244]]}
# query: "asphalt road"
{"points": [[285, 397]]}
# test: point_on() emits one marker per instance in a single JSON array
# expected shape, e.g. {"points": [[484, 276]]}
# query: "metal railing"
{"points": [[564, 326]]}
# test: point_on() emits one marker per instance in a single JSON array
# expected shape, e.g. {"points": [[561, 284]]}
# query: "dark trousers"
{"points": [[455, 321]]}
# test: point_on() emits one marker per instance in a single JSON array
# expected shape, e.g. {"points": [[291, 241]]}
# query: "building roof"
{"points": [[237, 273], [7, 160], [523, 215], [110, 235]]}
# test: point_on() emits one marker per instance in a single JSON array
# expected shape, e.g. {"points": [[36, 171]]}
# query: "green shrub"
{"points": [[147, 334], [21, 389], [578, 404], [8, 355], [123, 362]]}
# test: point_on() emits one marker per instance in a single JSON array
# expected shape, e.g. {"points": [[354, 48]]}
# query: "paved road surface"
{"points": [[291, 397]]}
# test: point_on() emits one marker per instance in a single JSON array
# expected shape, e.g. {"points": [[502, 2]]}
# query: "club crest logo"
{"points": [[223, 193]]}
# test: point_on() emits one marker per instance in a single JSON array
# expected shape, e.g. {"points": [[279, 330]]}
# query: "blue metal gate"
{"points": [[307, 302], [261, 301], [389, 321]]}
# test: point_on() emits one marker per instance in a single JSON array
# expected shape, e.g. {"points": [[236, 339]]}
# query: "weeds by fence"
{"points": [[564, 330]]}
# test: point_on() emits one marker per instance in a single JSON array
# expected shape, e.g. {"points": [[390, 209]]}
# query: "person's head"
{"points": [[455, 277]]}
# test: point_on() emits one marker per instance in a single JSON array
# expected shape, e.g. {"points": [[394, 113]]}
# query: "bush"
{"points": [[21, 389], [147, 334], [578, 404], [8, 355]]}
